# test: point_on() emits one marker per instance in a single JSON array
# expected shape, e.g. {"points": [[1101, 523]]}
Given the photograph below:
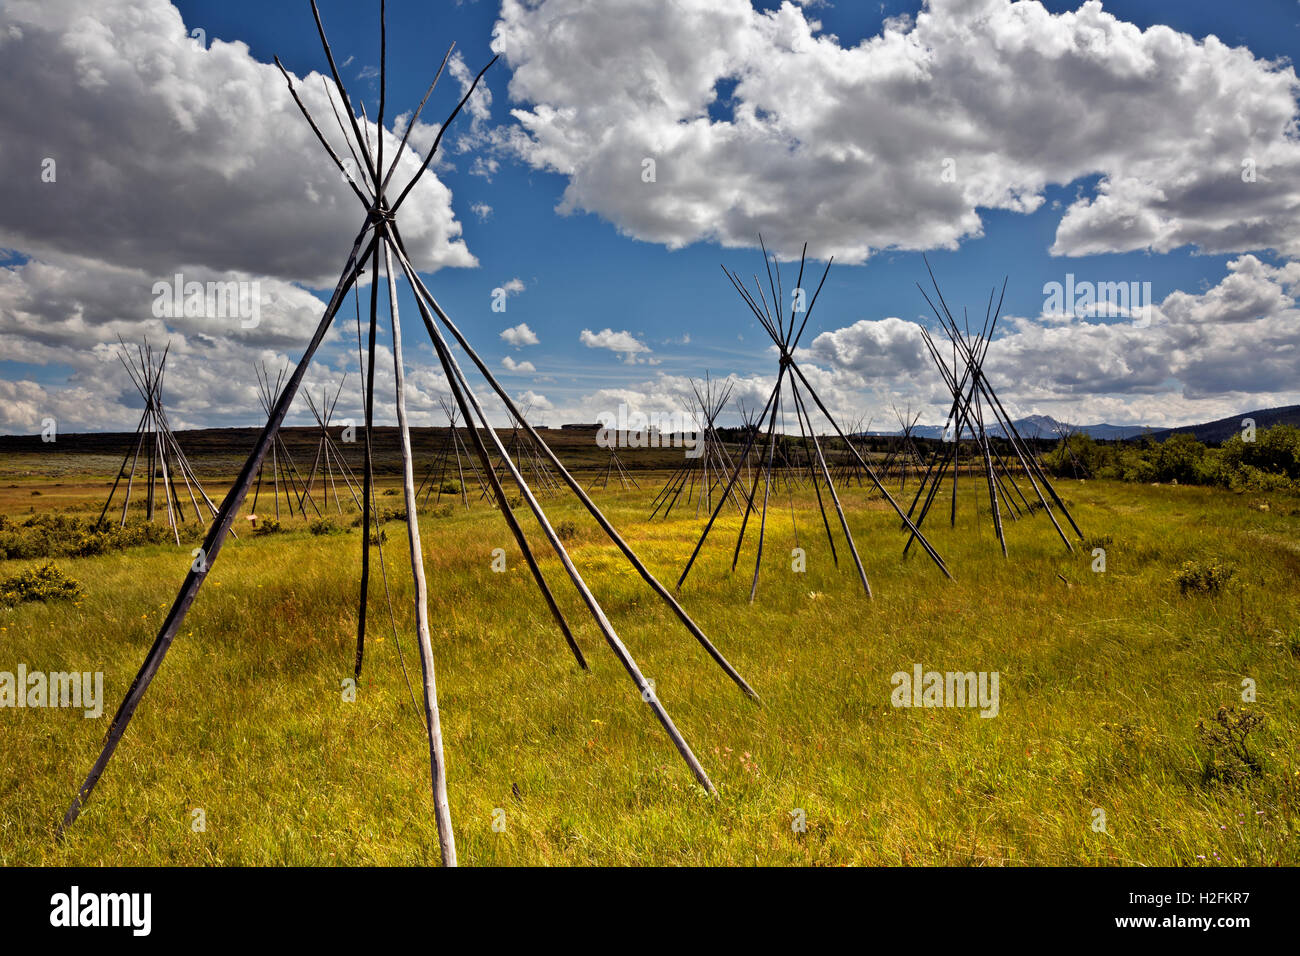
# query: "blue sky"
{"points": [[605, 265]]}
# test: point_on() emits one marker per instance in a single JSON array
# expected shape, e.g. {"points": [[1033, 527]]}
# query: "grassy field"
{"points": [[1104, 677]]}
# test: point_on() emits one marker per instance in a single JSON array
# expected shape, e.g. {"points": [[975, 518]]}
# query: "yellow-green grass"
{"points": [[1103, 678]]}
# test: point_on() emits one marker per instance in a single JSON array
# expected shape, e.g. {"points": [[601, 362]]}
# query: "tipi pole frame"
{"points": [[1000, 413], [568, 479], [380, 219]]}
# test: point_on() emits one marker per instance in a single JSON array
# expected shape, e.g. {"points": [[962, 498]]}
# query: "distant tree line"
{"points": [[1271, 462]]}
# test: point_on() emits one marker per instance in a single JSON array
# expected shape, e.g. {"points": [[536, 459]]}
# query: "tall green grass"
{"points": [[1103, 677]]}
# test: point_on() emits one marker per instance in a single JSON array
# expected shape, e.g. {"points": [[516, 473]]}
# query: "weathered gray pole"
{"points": [[211, 546], [433, 724]]}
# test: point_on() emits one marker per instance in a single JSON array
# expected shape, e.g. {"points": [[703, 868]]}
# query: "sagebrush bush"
{"points": [[1203, 577], [44, 582], [1227, 741], [63, 536]]}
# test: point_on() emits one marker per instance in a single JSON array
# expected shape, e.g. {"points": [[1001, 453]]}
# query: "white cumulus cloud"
{"points": [[519, 335], [627, 345], [901, 140], [519, 368]]}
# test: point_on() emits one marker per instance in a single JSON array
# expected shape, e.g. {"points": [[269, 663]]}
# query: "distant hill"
{"points": [[1043, 426], [1225, 428], [222, 451]]}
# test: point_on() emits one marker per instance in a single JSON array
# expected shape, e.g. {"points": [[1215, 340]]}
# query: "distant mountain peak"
{"points": [[1045, 426]]}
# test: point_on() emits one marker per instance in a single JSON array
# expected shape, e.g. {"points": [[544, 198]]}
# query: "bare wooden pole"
{"points": [[502, 501], [460, 471], [764, 472], [438, 139], [347, 104], [320, 445], [494, 483], [167, 487], [211, 549], [130, 481], [992, 479], [153, 467], [321, 136], [184, 471], [275, 476], [397, 155], [799, 412], [767, 487], [368, 474], [433, 722], [835, 498], [122, 467]]}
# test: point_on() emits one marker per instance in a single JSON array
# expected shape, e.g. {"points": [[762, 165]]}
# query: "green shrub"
{"points": [[1177, 458], [1203, 577], [1275, 451], [324, 526], [1076, 456], [266, 526], [1138, 468], [1251, 478], [93, 543], [1269, 463], [57, 536], [567, 530], [41, 583], [1227, 741]]}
